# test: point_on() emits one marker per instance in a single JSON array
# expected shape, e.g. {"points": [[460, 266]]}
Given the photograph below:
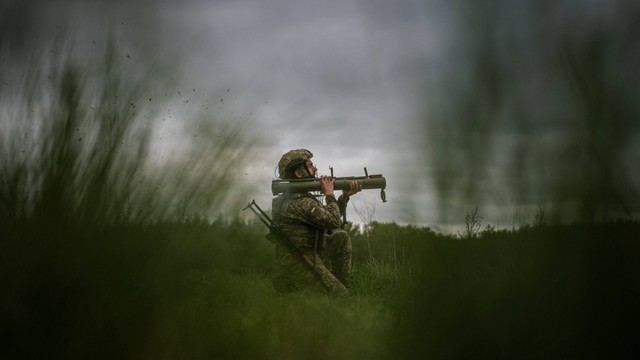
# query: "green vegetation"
{"points": [[567, 290], [202, 290]]}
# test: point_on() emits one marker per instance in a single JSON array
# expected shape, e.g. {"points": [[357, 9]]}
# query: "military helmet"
{"points": [[289, 157]]}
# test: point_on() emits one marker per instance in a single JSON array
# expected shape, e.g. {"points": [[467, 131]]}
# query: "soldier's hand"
{"points": [[354, 188], [326, 185]]}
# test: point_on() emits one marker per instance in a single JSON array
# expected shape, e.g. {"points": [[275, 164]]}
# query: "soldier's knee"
{"points": [[342, 236], [341, 240]]}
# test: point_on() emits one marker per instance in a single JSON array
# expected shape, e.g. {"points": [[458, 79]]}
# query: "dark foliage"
{"points": [[566, 290]]}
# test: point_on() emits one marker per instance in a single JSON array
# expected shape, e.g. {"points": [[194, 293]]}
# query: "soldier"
{"points": [[313, 227]]}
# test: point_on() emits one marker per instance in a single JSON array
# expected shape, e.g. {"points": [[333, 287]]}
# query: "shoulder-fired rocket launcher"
{"points": [[290, 186]]}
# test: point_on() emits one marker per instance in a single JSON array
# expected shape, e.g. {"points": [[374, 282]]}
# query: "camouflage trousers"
{"points": [[332, 267]]}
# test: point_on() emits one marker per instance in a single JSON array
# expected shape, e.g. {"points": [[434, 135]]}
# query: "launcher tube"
{"points": [[342, 183]]}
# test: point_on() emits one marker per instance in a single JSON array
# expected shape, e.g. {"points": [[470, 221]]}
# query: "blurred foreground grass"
{"points": [[189, 291], [202, 290]]}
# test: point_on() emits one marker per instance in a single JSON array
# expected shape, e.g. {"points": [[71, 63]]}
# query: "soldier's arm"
{"points": [[354, 188], [315, 214], [342, 204]]}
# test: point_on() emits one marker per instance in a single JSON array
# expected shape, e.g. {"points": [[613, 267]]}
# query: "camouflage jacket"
{"points": [[304, 218]]}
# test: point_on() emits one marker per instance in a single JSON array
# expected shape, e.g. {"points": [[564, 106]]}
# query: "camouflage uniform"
{"points": [[310, 225]]}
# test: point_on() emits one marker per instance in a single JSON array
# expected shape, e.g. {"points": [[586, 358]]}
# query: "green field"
{"points": [[201, 290]]}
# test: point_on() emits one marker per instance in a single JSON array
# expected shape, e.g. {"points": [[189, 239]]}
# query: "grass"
{"points": [[203, 290], [567, 290], [147, 293], [240, 316]]}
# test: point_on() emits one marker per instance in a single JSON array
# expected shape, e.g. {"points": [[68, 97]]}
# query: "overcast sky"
{"points": [[339, 78], [345, 79]]}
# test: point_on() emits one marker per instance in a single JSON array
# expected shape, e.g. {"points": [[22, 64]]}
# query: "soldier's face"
{"points": [[311, 168]]}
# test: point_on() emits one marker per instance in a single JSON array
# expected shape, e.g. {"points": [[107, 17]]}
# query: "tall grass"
{"points": [[568, 291], [79, 188], [536, 108]]}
